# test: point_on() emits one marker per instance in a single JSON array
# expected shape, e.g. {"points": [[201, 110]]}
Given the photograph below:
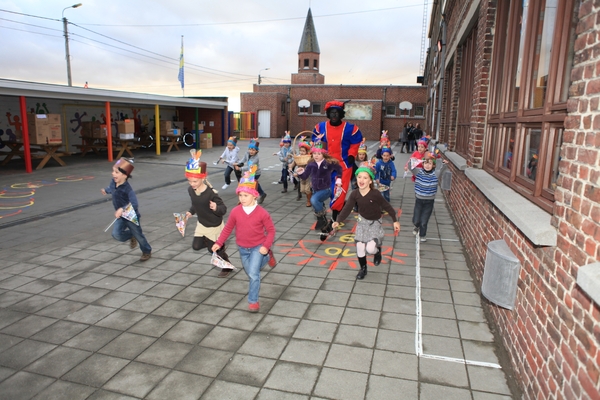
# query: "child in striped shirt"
{"points": [[426, 181]]}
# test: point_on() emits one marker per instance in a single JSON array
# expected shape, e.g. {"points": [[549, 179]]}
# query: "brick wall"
{"points": [[553, 334], [265, 97]]}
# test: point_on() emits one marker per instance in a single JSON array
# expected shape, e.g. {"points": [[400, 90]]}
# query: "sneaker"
{"points": [[224, 272], [415, 231], [145, 257], [253, 307], [261, 198], [132, 243], [272, 260], [423, 239], [225, 186]]}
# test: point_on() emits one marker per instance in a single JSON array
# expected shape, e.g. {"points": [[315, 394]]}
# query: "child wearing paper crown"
{"points": [[426, 181], [254, 234], [385, 171], [207, 206], [230, 156], [384, 142], [123, 195], [369, 230], [251, 158], [320, 170], [305, 185], [285, 155]]}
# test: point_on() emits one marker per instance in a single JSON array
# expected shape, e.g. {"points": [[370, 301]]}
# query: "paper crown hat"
{"points": [[253, 144], [318, 147], [194, 168], [366, 167], [386, 149], [334, 104], [248, 182], [384, 137], [287, 138], [125, 166], [304, 143], [362, 148], [232, 140]]}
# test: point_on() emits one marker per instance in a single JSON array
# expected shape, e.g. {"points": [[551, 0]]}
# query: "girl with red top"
{"points": [[254, 235]]}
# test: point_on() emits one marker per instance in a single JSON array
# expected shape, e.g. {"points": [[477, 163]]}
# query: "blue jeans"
{"points": [[318, 198], [423, 210], [411, 146], [386, 195], [124, 229], [253, 262], [258, 187]]}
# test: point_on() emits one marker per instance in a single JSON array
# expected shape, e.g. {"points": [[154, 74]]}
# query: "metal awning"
{"points": [[51, 91]]}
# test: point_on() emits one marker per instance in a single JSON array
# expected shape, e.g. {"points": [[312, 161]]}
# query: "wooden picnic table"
{"points": [[45, 152], [96, 144], [171, 141]]}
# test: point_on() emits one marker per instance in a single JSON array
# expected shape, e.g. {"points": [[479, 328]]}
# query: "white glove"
{"points": [[338, 181]]}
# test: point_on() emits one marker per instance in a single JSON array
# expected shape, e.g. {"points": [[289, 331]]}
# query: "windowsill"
{"points": [[530, 219], [588, 278]]}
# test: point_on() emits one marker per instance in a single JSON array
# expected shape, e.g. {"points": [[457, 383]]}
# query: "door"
{"points": [[264, 123]]}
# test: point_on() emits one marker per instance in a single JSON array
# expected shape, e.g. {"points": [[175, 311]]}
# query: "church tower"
{"points": [[308, 56]]}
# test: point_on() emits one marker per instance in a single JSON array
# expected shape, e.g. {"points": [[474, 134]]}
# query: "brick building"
{"points": [[372, 108], [514, 93]]}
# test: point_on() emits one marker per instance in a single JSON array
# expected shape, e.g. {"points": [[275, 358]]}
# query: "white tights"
{"points": [[363, 248]]}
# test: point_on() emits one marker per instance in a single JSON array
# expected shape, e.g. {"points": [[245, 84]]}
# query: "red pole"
{"points": [[108, 131], [25, 130]]}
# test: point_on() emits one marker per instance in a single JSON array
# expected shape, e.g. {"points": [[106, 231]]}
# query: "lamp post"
{"points": [[259, 78], [66, 33]]}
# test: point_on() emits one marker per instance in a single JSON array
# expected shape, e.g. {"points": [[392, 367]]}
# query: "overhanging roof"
{"points": [[50, 91]]}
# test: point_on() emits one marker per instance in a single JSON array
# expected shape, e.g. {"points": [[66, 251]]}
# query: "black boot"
{"points": [[326, 230], [377, 257], [363, 267], [321, 220]]}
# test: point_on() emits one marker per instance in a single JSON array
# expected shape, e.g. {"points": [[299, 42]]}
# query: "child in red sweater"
{"points": [[254, 235]]}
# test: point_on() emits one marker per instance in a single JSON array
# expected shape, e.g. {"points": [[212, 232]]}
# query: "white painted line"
{"points": [[419, 331]]}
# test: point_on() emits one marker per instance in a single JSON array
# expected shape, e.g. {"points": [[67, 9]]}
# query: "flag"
{"points": [[180, 77]]}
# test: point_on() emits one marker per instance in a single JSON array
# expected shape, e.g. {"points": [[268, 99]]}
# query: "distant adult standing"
{"points": [[418, 132], [411, 138], [342, 139], [404, 138]]}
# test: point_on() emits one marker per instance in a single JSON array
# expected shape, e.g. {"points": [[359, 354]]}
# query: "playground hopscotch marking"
{"points": [[419, 332]]}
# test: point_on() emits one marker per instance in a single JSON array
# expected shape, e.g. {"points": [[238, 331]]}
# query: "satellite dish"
{"points": [[304, 103], [406, 105]]}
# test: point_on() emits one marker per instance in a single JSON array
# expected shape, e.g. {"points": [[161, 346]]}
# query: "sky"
{"points": [[134, 45]]}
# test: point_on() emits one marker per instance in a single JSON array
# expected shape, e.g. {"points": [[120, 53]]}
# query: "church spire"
{"points": [[309, 42]]}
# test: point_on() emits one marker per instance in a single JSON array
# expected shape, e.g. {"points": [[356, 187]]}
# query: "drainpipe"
{"points": [[441, 80], [383, 108], [289, 108]]}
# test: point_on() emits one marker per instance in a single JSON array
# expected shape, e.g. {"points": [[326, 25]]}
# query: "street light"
{"points": [[66, 33], [259, 78]]}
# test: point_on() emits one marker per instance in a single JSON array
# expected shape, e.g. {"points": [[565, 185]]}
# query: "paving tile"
{"points": [[164, 353], [404, 306], [61, 390], [338, 384], [292, 377], [395, 341], [278, 325], [8, 317], [475, 331], [468, 313], [136, 379], [350, 358], [58, 362], [288, 308], [115, 299], [28, 326], [440, 327], [439, 310], [247, 370], [15, 282], [230, 390], [195, 361], [241, 320], [143, 303], [296, 294], [8, 298], [59, 332], [88, 294], [194, 295], [207, 313], [307, 282], [225, 338], [398, 322], [355, 316], [365, 302], [61, 309], [337, 285], [153, 325], [431, 391], [315, 330], [110, 282], [37, 286], [92, 339], [62, 290], [180, 386], [224, 299], [96, 370], [270, 394], [137, 286], [7, 341], [131, 271], [326, 313], [332, 298], [442, 373], [384, 388], [127, 345], [90, 314], [165, 290], [188, 332], [264, 345], [489, 396], [356, 336], [395, 365], [488, 379], [23, 385], [87, 278], [121, 320], [24, 353]]}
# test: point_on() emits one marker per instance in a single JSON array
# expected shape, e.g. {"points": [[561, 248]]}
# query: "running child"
{"points": [[230, 156], [385, 171], [251, 158]]}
